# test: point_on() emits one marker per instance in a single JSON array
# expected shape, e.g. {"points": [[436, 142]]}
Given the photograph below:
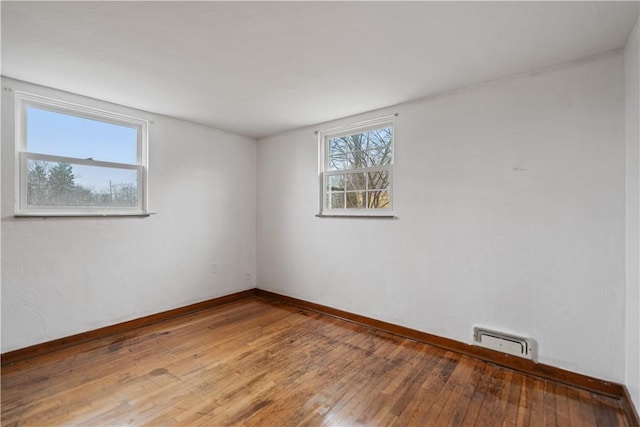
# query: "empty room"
{"points": [[320, 213]]}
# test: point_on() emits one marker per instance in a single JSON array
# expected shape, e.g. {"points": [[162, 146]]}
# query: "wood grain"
{"points": [[518, 363], [258, 362], [46, 347]]}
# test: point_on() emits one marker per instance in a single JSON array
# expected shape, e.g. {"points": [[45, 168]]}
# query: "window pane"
{"points": [[338, 146], [335, 182], [358, 142], [378, 180], [338, 162], [65, 135], [65, 184], [349, 160], [358, 159], [336, 200], [356, 199], [362, 149], [378, 199], [380, 138], [356, 181], [379, 157]]}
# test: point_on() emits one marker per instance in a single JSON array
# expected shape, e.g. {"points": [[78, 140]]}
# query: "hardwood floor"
{"points": [[260, 363]]}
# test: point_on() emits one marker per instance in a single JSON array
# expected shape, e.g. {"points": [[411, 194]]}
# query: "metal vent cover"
{"points": [[505, 343]]}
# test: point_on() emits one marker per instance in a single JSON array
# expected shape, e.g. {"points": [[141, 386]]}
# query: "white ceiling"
{"points": [[258, 68]]}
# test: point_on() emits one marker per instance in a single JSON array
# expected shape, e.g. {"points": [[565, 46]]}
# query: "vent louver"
{"points": [[504, 343]]}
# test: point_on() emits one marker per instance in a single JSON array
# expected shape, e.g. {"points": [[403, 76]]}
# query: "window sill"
{"points": [[356, 216], [83, 215]]}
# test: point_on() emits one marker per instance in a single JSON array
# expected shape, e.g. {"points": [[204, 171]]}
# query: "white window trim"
{"points": [[323, 159], [22, 100]]}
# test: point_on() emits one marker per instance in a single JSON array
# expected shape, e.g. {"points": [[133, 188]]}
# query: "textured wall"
{"points": [[68, 275], [510, 204], [632, 122]]}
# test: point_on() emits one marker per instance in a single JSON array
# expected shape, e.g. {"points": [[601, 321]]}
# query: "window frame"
{"points": [[22, 102], [324, 171]]}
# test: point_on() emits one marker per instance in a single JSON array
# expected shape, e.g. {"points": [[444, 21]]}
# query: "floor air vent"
{"points": [[504, 343]]}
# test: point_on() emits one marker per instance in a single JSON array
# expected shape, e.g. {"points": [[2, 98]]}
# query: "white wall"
{"points": [[510, 205], [632, 124], [65, 276]]}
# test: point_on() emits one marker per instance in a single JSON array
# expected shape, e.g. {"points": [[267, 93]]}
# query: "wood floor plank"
{"points": [[484, 383], [562, 406], [549, 404], [383, 398], [467, 393], [587, 405], [575, 411], [501, 397], [257, 362], [537, 402], [510, 417], [492, 393], [524, 405], [444, 407], [381, 412]]}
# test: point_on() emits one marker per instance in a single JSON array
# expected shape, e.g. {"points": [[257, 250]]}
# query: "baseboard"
{"points": [[630, 408], [495, 357], [60, 343]]}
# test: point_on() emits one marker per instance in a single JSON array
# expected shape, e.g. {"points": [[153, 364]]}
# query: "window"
{"points": [[356, 169], [75, 160]]}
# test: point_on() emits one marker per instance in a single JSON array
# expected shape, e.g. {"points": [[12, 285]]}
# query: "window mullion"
{"points": [[358, 170], [86, 162]]}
